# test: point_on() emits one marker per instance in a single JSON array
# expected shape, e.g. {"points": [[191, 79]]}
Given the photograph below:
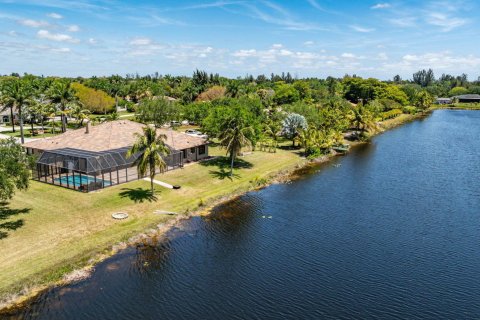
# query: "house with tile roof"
{"points": [[94, 157]]}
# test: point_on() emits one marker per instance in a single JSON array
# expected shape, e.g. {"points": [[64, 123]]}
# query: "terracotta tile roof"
{"points": [[109, 136]]}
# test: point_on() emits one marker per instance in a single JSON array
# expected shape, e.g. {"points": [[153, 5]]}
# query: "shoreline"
{"points": [[21, 299]]}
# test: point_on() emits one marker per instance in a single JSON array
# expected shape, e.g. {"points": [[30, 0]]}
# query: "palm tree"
{"points": [[234, 138], [63, 96], [362, 119], [149, 149], [80, 114], [17, 94], [423, 100], [51, 112]]}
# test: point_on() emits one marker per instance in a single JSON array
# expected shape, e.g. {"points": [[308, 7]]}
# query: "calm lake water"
{"points": [[390, 231]]}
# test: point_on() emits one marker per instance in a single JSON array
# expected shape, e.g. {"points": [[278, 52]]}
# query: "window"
{"points": [[192, 150], [184, 153], [201, 150]]}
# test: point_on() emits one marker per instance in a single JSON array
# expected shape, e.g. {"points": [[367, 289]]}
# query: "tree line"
{"points": [[247, 111]]}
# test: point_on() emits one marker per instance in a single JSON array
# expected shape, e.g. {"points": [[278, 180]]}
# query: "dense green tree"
{"points": [[14, 170], [196, 112], [96, 101], [285, 94], [458, 91], [424, 77], [159, 111], [303, 89], [423, 100]]}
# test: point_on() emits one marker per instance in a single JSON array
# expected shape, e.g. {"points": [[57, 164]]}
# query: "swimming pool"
{"points": [[78, 180]]}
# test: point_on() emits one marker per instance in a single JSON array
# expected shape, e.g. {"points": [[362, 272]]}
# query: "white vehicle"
{"points": [[196, 133]]}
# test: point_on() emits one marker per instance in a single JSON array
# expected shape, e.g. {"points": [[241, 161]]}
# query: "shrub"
{"points": [[410, 110], [389, 104], [391, 114]]}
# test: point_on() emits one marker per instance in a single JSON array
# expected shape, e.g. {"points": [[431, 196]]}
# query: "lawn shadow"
{"points": [[5, 213], [12, 225], [223, 166], [224, 163], [222, 174], [138, 195]]}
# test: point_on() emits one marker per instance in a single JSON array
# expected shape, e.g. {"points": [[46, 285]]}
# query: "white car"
{"points": [[196, 133]]}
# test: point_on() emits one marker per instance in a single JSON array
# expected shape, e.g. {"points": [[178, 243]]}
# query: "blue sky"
{"points": [[235, 38]]}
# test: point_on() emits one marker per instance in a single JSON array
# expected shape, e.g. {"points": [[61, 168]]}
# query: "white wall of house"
{"points": [[195, 153]]}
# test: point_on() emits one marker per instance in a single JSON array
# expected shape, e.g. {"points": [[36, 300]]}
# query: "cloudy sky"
{"points": [[235, 38]]}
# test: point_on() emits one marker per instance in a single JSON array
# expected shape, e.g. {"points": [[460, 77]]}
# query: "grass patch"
{"points": [[27, 133]]}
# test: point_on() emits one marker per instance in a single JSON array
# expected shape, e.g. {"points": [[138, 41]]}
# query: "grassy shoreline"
{"points": [[64, 230]]}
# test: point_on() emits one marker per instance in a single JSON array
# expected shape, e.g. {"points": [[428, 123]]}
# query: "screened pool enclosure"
{"points": [[89, 170]]}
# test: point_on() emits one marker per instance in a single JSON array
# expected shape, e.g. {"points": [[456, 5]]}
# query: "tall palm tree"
{"points": [[63, 96], [149, 149], [235, 137], [17, 94], [51, 112]]}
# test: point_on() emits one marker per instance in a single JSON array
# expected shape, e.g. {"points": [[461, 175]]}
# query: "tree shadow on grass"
{"points": [[5, 213], [223, 166], [138, 195], [222, 174], [224, 163]]}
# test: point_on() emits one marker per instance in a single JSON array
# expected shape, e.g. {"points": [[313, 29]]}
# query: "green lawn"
{"points": [[48, 231], [27, 132]]}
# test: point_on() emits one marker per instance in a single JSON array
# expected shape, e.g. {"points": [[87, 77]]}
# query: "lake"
{"points": [[390, 231]]}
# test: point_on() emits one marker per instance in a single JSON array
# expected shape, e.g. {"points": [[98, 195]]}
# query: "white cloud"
{"points": [[33, 23], [381, 6], [245, 53], [361, 29], [54, 15], [308, 43], [92, 41], [403, 22], [61, 50], [73, 28], [348, 55], [140, 41], [441, 61], [277, 46], [13, 33], [44, 34], [446, 22], [382, 56]]}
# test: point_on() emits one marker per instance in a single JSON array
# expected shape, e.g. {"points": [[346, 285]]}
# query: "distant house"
{"points": [[95, 157], [444, 101], [5, 116], [468, 98]]}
